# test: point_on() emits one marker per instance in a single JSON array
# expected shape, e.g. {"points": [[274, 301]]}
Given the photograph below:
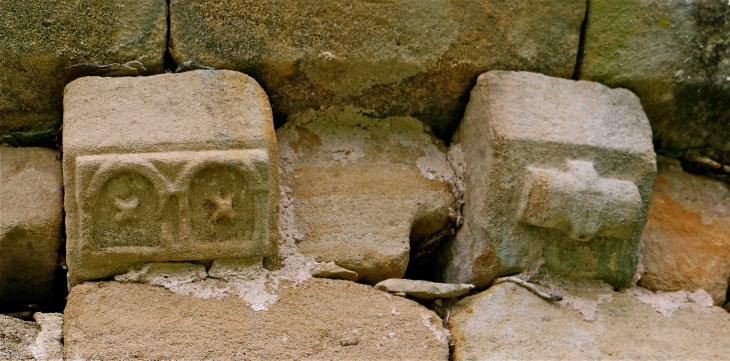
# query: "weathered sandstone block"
{"points": [[404, 57], [319, 319], [686, 242], [508, 322], [168, 168], [41, 39], [558, 175], [18, 338], [31, 213], [363, 188], [675, 55]]}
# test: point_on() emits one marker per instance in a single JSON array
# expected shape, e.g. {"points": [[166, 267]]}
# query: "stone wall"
{"points": [[186, 171]]}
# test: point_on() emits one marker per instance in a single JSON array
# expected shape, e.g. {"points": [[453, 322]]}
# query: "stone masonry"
{"points": [[168, 168], [558, 177]]}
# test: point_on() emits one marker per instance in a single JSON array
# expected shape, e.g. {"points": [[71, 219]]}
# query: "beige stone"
{"points": [[509, 322], [319, 319], [17, 339], [404, 57], [557, 179], [423, 290], [173, 167], [41, 39], [675, 55], [687, 238], [31, 213], [363, 188]]}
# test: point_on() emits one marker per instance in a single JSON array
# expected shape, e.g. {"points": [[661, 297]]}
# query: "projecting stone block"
{"points": [[558, 176], [30, 223], [401, 57], [168, 168], [47, 44]]}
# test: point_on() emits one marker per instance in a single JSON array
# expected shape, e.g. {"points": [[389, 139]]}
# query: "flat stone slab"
{"points": [[319, 319], [362, 190], [31, 218], [173, 167], [686, 242], [558, 175], [423, 290], [510, 322], [333, 271], [415, 58], [46, 45]]}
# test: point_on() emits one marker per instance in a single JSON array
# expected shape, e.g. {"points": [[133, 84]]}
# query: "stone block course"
{"points": [[41, 39], [31, 218], [168, 168], [558, 176], [415, 58]]}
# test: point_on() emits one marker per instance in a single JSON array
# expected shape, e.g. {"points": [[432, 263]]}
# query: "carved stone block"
{"points": [[168, 168], [558, 180]]}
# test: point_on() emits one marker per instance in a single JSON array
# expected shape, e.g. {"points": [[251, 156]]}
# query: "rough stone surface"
{"points": [[687, 238], [41, 39], [49, 343], [557, 178], [17, 338], [363, 188], [171, 167], [509, 322], [319, 319], [403, 57], [333, 271], [675, 55], [30, 223], [423, 290]]}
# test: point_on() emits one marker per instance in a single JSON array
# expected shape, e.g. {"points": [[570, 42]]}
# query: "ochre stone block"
{"points": [[364, 190], [558, 179], [31, 215], [168, 168], [686, 242]]}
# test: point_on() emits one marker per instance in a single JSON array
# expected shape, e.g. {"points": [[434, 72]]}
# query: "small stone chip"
{"points": [[352, 342]]}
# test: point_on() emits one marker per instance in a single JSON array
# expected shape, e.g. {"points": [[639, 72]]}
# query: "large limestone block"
{"points": [[40, 39], [319, 319], [363, 188], [558, 175], [687, 238], [675, 55], [404, 57], [168, 168], [31, 215], [508, 322]]}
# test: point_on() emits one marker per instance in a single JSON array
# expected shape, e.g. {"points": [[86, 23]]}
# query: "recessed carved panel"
{"points": [[222, 206], [126, 212]]}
